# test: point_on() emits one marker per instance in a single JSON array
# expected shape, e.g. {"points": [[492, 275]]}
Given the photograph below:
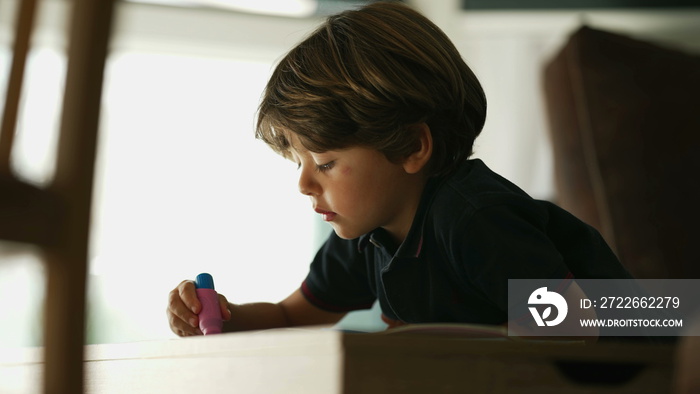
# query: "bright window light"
{"points": [[184, 187], [295, 8], [291, 8]]}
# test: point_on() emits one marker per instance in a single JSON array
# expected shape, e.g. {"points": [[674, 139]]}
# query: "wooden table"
{"points": [[328, 361]]}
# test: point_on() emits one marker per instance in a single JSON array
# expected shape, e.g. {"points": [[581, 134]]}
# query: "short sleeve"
{"points": [[505, 241], [338, 277]]}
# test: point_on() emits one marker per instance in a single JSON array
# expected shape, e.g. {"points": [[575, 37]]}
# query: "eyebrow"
{"points": [[292, 155]]}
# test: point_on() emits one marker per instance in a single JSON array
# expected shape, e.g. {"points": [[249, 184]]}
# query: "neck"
{"points": [[400, 227]]}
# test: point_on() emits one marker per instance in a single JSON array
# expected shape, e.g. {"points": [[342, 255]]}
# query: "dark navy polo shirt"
{"points": [[472, 232]]}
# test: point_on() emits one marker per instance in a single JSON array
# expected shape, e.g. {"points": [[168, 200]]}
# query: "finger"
{"points": [[225, 311], [191, 333], [181, 317], [187, 333], [180, 327], [188, 295]]}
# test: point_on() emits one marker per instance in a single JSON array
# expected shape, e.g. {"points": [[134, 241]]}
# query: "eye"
{"points": [[325, 167]]}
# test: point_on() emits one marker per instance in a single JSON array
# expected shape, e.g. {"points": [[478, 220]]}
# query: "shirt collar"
{"points": [[413, 244]]}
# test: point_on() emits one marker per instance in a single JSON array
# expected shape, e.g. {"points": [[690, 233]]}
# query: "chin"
{"points": [[347, 233]]}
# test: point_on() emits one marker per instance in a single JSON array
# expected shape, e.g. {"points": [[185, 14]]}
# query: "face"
{"points": [[357, 190]]}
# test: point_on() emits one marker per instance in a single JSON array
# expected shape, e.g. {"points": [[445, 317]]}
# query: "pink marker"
{"points": [[210, 321]]}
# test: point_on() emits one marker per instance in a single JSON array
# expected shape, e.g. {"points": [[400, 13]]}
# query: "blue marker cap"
{"points": [[204, 281]]}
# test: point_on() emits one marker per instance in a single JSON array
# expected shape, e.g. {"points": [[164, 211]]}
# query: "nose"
{"points": [[308, 185]]}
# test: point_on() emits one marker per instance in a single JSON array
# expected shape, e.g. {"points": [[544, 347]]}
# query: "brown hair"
{"points": [[363, 78]]}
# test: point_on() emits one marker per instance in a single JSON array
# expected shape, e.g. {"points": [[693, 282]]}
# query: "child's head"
{"points": [[363, 77]]}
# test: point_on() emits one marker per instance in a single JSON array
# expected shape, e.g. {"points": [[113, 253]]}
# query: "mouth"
{"points": [[328, 216]]}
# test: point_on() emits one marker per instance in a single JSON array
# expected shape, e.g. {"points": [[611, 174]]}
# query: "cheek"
{"points": [[346, 171]]}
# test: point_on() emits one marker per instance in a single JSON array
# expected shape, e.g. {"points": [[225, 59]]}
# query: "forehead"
{"points": [[294, 149], [295, 144]]}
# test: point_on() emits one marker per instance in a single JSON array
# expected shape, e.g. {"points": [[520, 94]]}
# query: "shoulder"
{"points": [[479, 217], [475, 191]]}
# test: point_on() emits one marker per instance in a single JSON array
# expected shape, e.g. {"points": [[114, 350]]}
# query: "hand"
{"points": [[184, 307]]}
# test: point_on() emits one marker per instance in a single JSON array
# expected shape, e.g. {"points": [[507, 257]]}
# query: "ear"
{"points": [[418, 160]]}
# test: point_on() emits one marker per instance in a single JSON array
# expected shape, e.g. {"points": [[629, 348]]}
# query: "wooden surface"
{"points": [[327, 361]]}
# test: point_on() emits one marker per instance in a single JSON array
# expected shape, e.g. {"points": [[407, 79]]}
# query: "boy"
{"points": [[380, 112]]}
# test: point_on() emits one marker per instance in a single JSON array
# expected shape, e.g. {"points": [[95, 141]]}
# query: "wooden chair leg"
{"points": [[58, 218], [25, 24], [73, 183]]}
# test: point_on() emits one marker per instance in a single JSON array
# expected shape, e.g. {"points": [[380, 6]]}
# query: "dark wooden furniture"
{"points": [[625, 129], [57, 218]]}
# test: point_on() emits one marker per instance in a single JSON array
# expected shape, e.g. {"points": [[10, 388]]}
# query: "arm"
{"points": [[573, 295], [504, 241], [295, 310]]}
